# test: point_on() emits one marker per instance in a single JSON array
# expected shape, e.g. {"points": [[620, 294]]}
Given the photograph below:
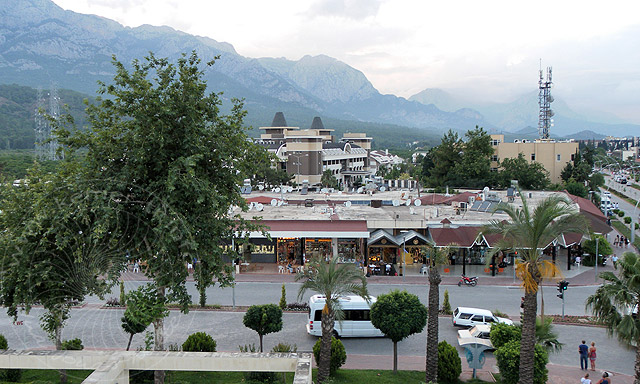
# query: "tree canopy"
{"points": [[263, 319]]}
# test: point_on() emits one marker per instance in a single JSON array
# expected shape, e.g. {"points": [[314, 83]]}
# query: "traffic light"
{"points": [[562, 286]]}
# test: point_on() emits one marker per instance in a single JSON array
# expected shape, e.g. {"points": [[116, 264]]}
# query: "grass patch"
{"points": [[636, 186], [626, 232], [622, 196], [344, 376]]}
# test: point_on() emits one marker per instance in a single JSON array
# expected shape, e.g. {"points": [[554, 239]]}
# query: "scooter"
{"points": [[472, 281]]}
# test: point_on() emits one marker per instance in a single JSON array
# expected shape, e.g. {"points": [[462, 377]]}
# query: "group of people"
{"points": [[589, 352], [621, 241]]}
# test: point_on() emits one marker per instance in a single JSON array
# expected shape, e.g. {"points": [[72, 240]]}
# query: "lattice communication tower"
{"points": [[545, 121], [46, 148]]}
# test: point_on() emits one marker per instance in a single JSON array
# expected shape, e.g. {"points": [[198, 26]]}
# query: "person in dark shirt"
{"points": [[583, 350]]}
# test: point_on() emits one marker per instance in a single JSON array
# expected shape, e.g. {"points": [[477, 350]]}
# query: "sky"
{"points": [[483, 50]]}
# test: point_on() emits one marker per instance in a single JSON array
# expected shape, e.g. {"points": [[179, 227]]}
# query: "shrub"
{"points": [[112, 302], [285, 348], [72, 345], [302, 307], [199, 342], [283, 298], [508, 359], [11, 375], [449, 364], [446, 305], [338, 354], [499, 313], [620, 213], [501, 334], [123, 296], [627, 220]]}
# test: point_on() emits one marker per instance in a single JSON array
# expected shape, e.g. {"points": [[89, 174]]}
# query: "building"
{"points": [[307, 153], [552, 154]]}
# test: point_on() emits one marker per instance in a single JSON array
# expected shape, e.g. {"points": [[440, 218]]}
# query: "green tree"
{"points": [[283, 298], [145, 306], [615, 301], [529, 175], [529, 231], [436, 258], [475, 165], [199, 342], [576, 188], [328, 180], [509, 357], [263, 319], [159, 146], [47, 222], [604, 248], [442, 159], [331, 280], [449, 364], [131, 327], [398, 315]]}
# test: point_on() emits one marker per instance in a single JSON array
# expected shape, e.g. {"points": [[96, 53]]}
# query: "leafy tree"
{"points": [[328, 180], [398, 315], [529, 175], [47, 222], [159, 146], [263, 319], [475, 165], [529, 231], [576, 188], [131, 327], [442, 159], [615, 301], [436, 258], [145, 306], [604, 248], [332, 280]]}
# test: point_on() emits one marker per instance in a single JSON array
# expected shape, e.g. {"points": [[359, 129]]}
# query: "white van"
{"points": [[468, 317], [356, 323]]}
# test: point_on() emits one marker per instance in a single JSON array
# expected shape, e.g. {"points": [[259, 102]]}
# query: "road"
{"points": [[100, 328], [627, 190]]}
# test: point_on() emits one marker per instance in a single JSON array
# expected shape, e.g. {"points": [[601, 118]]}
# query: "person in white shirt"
{"points": [[585, 379]]}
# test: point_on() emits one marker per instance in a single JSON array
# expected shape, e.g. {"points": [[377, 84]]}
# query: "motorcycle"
{"points": [[472, 281]]}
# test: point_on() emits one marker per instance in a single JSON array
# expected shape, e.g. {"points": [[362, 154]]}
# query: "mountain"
{"points": [[41, 43], [523, 112]]}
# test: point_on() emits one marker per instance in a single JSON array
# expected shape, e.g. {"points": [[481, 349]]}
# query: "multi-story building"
{"points": [[552, 154], [307, 153]]}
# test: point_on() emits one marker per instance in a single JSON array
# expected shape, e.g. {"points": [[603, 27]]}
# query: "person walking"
{"points": [[616, 241], [592, 355], [621, 243], [585, 379], [614, 259], [583, 351], [626, 242]]}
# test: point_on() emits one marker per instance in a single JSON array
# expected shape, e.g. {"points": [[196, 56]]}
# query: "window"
{"points": [[465, 316], [494, 169], [533, 157], [495, 142], [357, 315], [558, 157], [317, 316], [478, 318], [494, 158], [573, 156], [489, 319]]}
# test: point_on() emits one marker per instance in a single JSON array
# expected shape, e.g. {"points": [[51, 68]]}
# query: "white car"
{"points": [[468, 317], [478, 334]]}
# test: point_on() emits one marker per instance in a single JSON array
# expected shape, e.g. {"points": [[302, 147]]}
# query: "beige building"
{"points": [[553, 155]]}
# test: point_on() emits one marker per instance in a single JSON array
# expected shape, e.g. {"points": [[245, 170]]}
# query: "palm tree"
{"points": [[529, 232], [616, 303], [332, 280], [437, 257]]}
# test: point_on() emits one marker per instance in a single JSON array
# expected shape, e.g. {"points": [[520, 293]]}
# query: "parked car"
{"points": [[478, 334], [468, 317]]}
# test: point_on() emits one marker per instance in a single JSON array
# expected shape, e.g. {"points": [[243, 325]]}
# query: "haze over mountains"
{"points": [[41, 43]]}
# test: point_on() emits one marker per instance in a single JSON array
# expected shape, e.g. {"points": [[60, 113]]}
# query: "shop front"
{"points": [[383, 250]]}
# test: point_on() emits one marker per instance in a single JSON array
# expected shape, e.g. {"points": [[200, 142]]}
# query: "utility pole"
{"points": [[597, 241]]}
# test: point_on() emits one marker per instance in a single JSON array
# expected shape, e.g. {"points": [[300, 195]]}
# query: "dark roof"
{"points": [[463, 237], [339, 145], [317, 123], [270, 143], [278, 120]]}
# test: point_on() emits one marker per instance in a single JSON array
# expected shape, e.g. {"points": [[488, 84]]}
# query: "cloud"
{"points": [[347, 9]]}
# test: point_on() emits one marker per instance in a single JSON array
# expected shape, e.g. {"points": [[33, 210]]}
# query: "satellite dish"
{"points": [[339, 192], [260, 187], [290, 189], [280, 202], [277, 190], [407, 203], [324, 190], [396, 203], [274, 202], [382, 189], [417, 203], [259, 207], [359, 190], [347, 204]]}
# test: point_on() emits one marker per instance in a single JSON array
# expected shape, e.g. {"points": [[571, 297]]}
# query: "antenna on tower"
{"points": [[54, 112], [545, 121], [41, 126]]}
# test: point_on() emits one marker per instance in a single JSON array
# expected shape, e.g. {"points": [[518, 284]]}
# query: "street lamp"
{"points": [[298, 163]]}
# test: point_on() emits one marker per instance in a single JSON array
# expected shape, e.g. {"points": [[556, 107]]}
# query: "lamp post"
{"points": [[597, 241], [298, 163], [633, 225]]}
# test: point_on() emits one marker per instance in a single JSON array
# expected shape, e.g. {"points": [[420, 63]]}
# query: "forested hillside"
{"points": [[17, 113]]}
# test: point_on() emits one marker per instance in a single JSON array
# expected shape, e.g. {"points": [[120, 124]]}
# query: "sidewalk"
{"points": [[558, 374]]}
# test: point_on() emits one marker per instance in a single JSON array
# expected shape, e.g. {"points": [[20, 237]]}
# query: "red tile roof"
{"points": [[462, 236]]}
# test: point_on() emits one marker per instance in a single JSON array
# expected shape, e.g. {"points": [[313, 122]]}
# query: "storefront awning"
{"points": [[349, 229], [382, 238]]}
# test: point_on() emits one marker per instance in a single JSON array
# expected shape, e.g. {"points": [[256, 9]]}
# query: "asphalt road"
{"points": [[100, 328]]}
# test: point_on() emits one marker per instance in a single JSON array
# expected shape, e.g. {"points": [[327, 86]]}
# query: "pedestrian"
{"points": [[605, 379], [592, 355], [616, 241], [585, 379], [583, 351], [626, 242], [614, 259], [621, 243]]}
